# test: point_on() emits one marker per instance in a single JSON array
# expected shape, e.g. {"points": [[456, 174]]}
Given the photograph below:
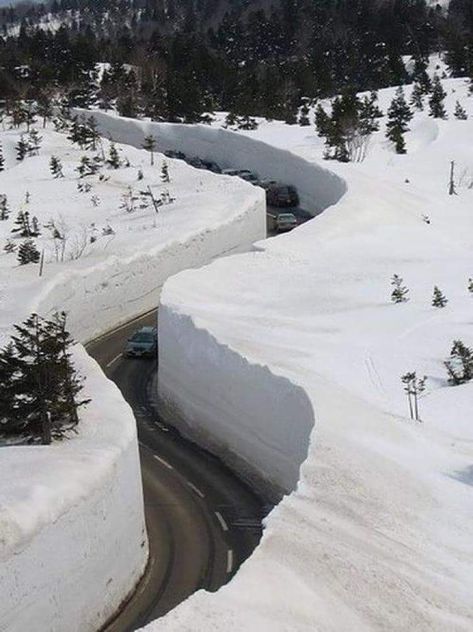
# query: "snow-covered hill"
{"points": [[378, 534]]}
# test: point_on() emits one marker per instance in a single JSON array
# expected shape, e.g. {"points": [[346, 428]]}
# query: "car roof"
{"points": [[146, 330]]}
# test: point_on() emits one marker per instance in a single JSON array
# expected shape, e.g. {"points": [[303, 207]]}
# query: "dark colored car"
{"points": [[282, 195], [142, 344]]}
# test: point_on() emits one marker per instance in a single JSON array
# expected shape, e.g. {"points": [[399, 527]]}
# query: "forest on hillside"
{"points": [[176, 59]]}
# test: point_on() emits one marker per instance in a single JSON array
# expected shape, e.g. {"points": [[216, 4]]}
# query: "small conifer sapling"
{"points": [[400, 291]]}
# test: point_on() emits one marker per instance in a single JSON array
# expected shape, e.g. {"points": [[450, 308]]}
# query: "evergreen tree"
{"points": [[55, 166], [304, 111], [149, 144], [460, 364], [470, 285], [2, 159], [35, 229], [420, 74], [9, 247], [322, 122], [416, 97], [113, 159], [400, 292], [22, 224], [87, 167], [4, 210], [436, 101], [231, 119], [34, 142], [39, 381], [438, 299], [21, 149], [165, 172], [91, 134], [399, 116], [28, 253], [460, 113]]}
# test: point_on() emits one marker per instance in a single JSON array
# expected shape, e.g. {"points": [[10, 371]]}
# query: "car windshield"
{"points": [[142, 336]]}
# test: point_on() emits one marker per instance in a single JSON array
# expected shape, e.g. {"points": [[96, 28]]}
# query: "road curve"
{"points": [[202, 521]]}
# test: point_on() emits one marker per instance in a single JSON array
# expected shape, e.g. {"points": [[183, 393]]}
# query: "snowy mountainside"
{"points": [[378, 534]]}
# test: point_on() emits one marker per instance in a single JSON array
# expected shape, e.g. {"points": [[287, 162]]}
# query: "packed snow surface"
{"points": [[378, 534]]}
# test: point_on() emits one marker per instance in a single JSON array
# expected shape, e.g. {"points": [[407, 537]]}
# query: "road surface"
{"points": [[202, 521]]}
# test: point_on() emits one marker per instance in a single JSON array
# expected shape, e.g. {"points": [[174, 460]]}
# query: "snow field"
{"points": [[72, 535], [378, 533]]}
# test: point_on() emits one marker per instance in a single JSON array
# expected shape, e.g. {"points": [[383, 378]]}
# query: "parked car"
{"points": [[244, 174], [175, 154], [211, 166], [282, 195], [230, 172], [285, 222], [143, 343]]}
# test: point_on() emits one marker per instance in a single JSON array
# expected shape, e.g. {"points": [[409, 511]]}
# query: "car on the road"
{"points": [[248, 176], [230, 172], [285, 222], [282, 195], [142, 344]]}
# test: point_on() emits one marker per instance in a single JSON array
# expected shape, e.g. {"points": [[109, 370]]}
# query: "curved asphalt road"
{"points": [[202, 521]]}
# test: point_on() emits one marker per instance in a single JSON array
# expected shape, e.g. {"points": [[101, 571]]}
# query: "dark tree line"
{"points": [[189, 57]]}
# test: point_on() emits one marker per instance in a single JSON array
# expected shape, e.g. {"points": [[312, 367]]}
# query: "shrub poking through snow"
{"points": [[460, 364], [28, 253], [4, 210], [460, 113], [438, 299], [413, 387], [39, 385], [470, 285], [2, 159], [113, 159], [437, 97], [165, 172], [400, 291], [9, 247], [55, 167], [34, 142], [21, 149]]}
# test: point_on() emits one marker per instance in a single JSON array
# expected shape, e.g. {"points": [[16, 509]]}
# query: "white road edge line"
{"points": [[223, 524], [165, 463], [195, 489], [109, 364], [229, 560]]}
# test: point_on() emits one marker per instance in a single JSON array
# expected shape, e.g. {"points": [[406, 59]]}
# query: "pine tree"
{"points": [[304, 111], [149, 144], [28, 253], [113, 159], [4, 210], [22, 224], [55, 166], [231, 119], [460, 113], [413, 387], [420, 74], [35, 229], [9, 247], [87, 167], [91, 134], [438, 299], [322, 122], [34, 142], [400, 292], [436, 101], [460, 364], [399, 116], [165, 172], [39, 381], [2, 159], [417, 96], [21, 149]]}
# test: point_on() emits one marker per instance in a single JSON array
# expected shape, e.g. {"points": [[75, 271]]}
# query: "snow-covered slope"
{"points": [[378, 534], [72, 536]]}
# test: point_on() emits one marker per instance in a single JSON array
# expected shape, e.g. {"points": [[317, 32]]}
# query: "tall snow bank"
{"points": [[73, 543], [379, 532], [318, 187], [72, 531], [257, 422]]}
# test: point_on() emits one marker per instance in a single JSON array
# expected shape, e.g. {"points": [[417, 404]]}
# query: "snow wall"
{"points": [[73, 540], [227, 405], [318, 188], [75, 543]]}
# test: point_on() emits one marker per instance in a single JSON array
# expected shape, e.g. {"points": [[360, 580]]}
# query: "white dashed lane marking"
{"points": [[223, 524], [109, 364], [163, 461], [229, 561], [195, 489]]}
